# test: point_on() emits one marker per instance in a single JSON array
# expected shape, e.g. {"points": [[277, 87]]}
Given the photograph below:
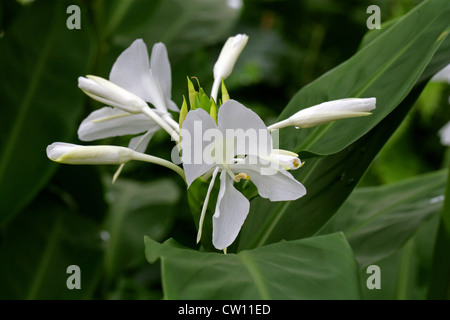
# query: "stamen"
{"points": [[240, 176]]}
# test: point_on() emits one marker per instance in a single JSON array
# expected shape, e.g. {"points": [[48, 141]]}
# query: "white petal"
{"points": [[275, 184], [172, 105], [162, 74], [231, 210], [112, 122], [251, 134], [141, 142], [160, 67], [193, 145], [132, 70]]}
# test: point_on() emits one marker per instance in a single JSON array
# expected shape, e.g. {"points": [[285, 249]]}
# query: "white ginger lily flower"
{"points": [[327, 112], [227, 59], [133, 79], [224, 155], [75, 154]]}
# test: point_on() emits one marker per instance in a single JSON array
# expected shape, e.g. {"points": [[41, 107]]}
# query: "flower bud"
{"points": [[111, 94], [76, 154], [327, 112], [228, 56]]}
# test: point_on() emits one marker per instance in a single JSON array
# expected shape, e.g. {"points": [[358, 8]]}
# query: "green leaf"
{"points": [[38, 247], [378, 221], [137, 209], [387, 68], [40, 60], [405, 275], [314, 268]]}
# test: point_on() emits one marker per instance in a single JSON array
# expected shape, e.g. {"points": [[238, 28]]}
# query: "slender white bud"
{"points": [[76, 154], [229, 55], [111, 94], [327, 112], [227, 59]]}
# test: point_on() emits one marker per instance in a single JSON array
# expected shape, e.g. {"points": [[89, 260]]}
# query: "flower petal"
{"points": [[111, 122], [141, 142], [131, 70], [193, 145], [160, 66], [273, 183], [251, 134], [231, 210]]}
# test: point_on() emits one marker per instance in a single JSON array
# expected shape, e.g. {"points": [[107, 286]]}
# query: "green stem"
{"points": [[152, 159], [440, 273]]}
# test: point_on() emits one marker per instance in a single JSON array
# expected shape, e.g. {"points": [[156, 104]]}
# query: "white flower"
{"points": [[443, 75], [327, 112], [445, 134], [133, 79], [131, 82], [225, 156], [227, 59]]}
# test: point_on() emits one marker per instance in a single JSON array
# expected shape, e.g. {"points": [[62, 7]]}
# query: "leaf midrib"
{"points": [[258, 279]]}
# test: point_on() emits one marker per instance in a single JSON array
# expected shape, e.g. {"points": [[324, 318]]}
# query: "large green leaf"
{"points": [[136, 209], [314, 268], [387, 68], [40, 60], [377, 221], [38, 247]]}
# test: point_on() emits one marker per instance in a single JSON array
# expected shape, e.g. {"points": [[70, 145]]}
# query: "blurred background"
{"points": [[53, 216]]}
